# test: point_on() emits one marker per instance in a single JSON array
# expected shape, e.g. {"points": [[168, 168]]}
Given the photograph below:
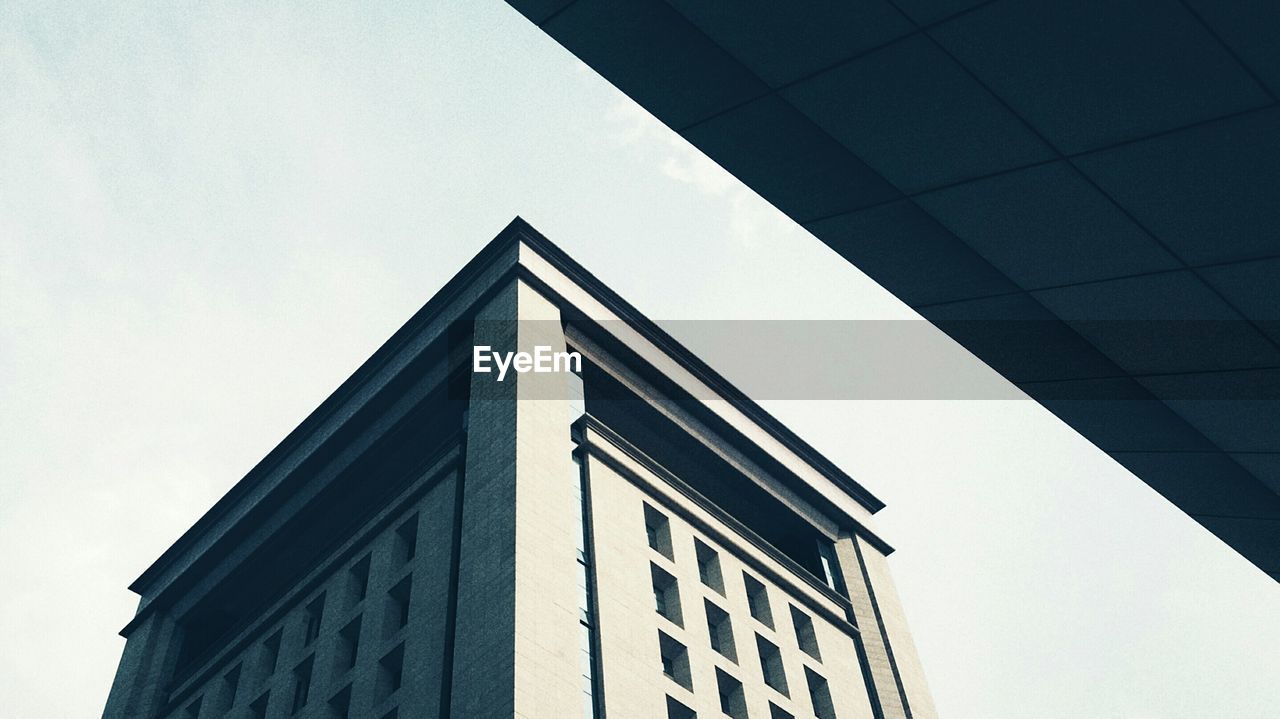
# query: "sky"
{"points": [[209, 216]]}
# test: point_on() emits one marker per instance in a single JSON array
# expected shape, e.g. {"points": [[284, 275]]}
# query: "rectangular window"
{"points": [[758, 600], [732, 702], [666, 595], [720, 629], [820, 695], [658, 530], [708, 566], [315, 614], [674, 658], [771, 665], [398, 614], [230, 686], [358, 579], [258, 709], [407, 539], [271, 652], [391, 672], [349, 644], [676, 710], [340, 703], [806, 637], [830, 569], [777, 712], [301, 685]]}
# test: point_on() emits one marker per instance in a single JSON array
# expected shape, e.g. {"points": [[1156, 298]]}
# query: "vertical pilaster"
{"points": [[516, 631], [138, 690], [906, 661], [890, 651]]}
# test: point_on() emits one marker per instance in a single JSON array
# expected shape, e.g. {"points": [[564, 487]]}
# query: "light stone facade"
{"points": [[435, 543]]}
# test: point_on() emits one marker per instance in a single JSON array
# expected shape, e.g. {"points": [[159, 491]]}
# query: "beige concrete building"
{"points": [[634, 540]]}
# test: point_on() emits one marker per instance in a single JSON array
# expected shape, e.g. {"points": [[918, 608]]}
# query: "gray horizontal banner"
{"points": [[915, 359]]}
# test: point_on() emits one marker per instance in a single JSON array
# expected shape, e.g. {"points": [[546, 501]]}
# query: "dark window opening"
{"points": [[676, 710], [315, 615], [391, 672], [758, 600], [340, 703], [271, 652], [301, 685], [732, 701], [721, 630], [771, 665], [708, 566], [258, 709], [666, 595], [820, 695], [359, 579], [407, 540], [806, 637], [349, 644], [398, 616], [230, 686], [657, 529], [674, 659]]}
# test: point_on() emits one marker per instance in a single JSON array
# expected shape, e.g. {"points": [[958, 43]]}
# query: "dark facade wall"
{"points": [[245, 675]]}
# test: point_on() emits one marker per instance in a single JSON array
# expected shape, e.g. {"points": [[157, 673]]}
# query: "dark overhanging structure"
{"points": [[1084, 193]]}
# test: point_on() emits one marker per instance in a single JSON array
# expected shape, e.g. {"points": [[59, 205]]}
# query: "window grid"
{"points": [[219, 696]]}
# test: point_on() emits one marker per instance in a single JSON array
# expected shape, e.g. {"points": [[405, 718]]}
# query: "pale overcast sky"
{"points": [[210, 217]]}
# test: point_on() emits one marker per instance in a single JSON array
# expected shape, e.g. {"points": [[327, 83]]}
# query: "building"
{"points": [[632, 539], [1083, 193]]}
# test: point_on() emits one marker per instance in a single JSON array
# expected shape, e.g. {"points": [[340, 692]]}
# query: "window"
{"points": [[271, 652], [721, 631], [398, 615], [674, 658], [315, 613], [301, 685], [806, 638], [771, 665], [708, 566], [230, 685], [758, 600], [407, 539], [391, 672], [658, 531], [340, 703], [358, 580], [258, 709], [830, 568], [820, 695], [349, 644], [193, 709], [393, 714], [666, 595], [777, 712], [732, 702], [676, 710]]}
